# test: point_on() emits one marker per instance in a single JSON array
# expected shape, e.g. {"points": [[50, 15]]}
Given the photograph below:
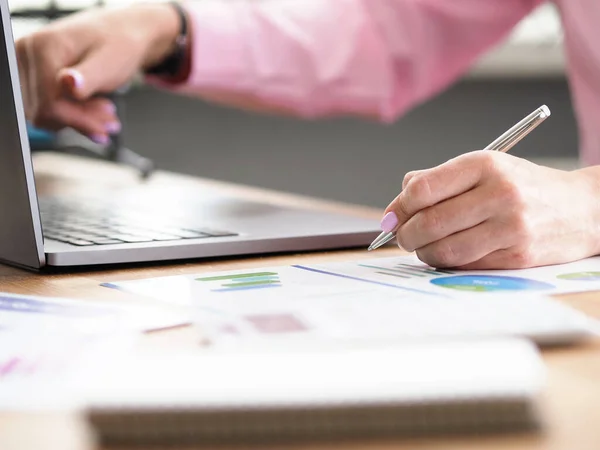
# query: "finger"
{"points": [[98, 119], [435, 185], [465, 247], [42, 68], [448, 217], [65, 112], [70, 81], [100, 71], [409, 176], [509, 258], [91, 118]]}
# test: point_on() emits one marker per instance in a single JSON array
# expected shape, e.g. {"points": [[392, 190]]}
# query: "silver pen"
{"points": [[502, 144]]}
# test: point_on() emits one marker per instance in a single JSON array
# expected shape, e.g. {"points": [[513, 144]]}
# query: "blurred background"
{"points": [[348, 159]]}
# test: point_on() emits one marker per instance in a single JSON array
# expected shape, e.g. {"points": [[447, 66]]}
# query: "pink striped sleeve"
{"points": [[315, 58]]}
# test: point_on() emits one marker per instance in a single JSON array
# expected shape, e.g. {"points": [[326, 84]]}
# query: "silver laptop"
{"points": [[139, 225]]}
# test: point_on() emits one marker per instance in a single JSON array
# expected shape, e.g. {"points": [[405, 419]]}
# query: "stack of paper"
{"points": [[377, 300], [212, 397]]}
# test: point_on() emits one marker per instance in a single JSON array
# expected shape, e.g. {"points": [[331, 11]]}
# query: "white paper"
{"points": [[55, 314], [408, 271], [376, 299], [446, 371], [49, 347], [45, 370]]}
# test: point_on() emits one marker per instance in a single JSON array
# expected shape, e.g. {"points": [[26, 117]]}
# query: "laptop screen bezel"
{"points": [[30, 237]]}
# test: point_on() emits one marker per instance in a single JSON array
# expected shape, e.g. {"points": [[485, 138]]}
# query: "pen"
{"points": [[502, 144]]}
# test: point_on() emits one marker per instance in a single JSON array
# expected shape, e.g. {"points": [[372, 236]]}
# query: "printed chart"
{"points": [[490, 283], [451, 280], [54, 314], [372, 299], [30, 305], [408, 271], [580, 276], [405, 274], [242, 281]]}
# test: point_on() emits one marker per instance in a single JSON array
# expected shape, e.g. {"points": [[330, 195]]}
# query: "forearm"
{"points": [[316, 58]]}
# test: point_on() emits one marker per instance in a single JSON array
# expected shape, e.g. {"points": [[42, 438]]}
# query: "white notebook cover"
{"points": [[254, 395]]}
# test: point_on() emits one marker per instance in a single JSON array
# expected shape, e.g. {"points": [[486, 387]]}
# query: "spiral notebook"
{"points": [[257, 396]]}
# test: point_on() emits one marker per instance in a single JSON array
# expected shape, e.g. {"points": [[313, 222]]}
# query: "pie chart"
{"points": [[580, 276], [490, 283]]}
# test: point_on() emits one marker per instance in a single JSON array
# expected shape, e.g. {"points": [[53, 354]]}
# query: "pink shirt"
{"points": [[375, 58]]}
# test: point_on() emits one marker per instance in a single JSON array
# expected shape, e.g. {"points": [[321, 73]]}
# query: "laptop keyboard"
{"points": [[85, 223]]}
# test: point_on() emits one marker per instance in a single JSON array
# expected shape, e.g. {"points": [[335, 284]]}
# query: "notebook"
{"points": [[260, 396]]}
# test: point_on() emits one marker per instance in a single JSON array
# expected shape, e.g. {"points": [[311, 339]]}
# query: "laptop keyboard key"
{"points": [[78, 242], [106, 241], [130, 238], [162, 237], [215, 233], [188, 234], [81, 222]]}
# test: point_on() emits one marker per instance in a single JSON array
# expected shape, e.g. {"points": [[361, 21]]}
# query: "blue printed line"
{"points": [[266, 286], [310, 269]]}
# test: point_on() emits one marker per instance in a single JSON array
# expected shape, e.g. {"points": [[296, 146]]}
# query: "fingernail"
{"points": [[76, 77], [389, 222], [113, 127], [101, 139]]}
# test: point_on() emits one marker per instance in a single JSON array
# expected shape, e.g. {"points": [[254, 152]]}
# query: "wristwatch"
{"points": [[175, 65]]}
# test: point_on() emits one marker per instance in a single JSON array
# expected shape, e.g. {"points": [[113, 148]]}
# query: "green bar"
{"points": [[237, 277], [250, 283]]}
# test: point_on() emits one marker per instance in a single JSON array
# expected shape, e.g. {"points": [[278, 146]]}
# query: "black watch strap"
{"points": [[172, 65]]}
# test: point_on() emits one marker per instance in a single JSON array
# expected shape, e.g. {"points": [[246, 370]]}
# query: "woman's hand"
{"points": [[64, 65], [490, 210]]}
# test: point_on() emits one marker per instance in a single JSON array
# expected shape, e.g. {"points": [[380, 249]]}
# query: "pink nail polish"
{"points": [[389, 222], [76, 77], [113, 127], [100, 139]]}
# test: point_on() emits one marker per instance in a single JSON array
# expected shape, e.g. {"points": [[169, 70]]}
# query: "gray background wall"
{"points": [[344, 159]]}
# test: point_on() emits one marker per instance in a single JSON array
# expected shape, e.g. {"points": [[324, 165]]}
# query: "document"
{"points": [[395, 298], [56, 314], [44, 370]]}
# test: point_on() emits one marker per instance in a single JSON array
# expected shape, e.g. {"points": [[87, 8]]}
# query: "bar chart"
{"points": [[242, 281]]}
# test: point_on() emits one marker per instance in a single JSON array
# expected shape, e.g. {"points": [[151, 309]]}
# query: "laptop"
{"points": [[144, 224]]}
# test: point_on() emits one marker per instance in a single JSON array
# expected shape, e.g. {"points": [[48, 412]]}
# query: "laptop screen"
{"points": [[21, 239]]}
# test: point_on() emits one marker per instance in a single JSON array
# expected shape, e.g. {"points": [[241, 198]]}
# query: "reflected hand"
{"points": [[66, 64]]}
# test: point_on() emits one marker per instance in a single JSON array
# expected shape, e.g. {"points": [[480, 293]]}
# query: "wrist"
{"points": [[163, 26], [589, 178]]}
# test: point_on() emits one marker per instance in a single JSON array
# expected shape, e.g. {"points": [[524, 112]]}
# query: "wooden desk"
{"points": [[571, 406]]}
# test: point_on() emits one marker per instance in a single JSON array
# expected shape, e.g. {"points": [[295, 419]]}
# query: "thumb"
{"points": [[99, 72]]}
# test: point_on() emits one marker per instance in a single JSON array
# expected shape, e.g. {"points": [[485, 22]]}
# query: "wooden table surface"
{"points": [[570, 406]]}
